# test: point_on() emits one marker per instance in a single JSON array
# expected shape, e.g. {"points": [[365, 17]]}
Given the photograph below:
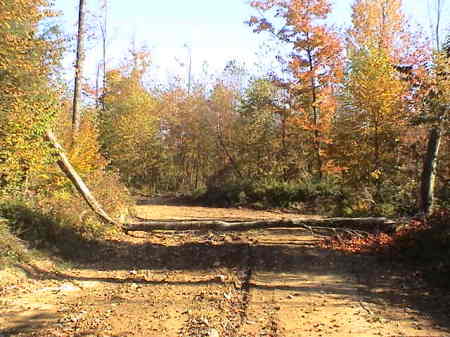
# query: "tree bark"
{"points": [[429, 171], [355, 224], [79, 63]]}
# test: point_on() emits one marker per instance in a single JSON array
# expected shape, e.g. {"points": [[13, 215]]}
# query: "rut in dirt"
{"points": [[233, 307]]}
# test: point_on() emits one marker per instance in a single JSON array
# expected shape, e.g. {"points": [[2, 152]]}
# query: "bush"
{"points": [[52, 211], [273, 193], [26, 222], [55, 197], [70, 209], [12, 249], [388, 199]]}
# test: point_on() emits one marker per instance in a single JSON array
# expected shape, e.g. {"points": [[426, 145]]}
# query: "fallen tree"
{"points": [[70, 172], [353, 226], [349, 224]]}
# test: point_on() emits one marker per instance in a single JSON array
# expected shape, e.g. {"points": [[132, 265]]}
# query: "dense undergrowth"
{"points": [[48, 213], [61, 223], [327, 196]]}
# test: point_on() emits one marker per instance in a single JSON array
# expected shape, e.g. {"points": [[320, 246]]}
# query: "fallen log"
{"points": [[205, 220], [348, 224]]}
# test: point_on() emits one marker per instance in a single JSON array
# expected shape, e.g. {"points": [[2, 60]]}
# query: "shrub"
{"points": [[12, 249], [52, 211], [57, 197], [66, 205], [274, 193]]}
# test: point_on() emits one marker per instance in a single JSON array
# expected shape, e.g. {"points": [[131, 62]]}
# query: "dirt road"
{"points": [[259, 283]]}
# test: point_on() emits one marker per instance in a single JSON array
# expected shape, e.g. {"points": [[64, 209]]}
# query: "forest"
{"points": [[350, 124]]}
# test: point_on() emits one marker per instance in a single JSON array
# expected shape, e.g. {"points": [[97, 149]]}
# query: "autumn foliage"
{"points": [[28, 102], [315, 66], [340, 125]]}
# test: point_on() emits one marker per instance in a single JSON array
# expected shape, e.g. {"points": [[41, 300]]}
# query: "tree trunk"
{"points": [[79, 63], [67, 168], [316, 118], [345, 224], [104, 30], [429, 171]]}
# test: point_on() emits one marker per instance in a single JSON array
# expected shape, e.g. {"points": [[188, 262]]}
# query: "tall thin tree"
{"points": [[438, 107], [101, 67], [104, 39], [79, 63]]}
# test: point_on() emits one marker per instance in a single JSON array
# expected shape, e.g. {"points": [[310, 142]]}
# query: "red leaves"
{"points": [[378, 243], [371, 244]]}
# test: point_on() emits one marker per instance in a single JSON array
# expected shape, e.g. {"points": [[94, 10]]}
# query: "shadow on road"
{"points": [[376, 281]]}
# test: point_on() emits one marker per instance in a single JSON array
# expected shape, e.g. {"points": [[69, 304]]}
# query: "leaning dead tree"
{"points": [[70, 172], [352, 226]]}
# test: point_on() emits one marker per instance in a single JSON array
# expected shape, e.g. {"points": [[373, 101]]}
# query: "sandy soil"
{"points": [[260, 283]]}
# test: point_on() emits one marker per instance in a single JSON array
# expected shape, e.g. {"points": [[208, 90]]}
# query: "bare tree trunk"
{"points": [[438, 24], [76, 118], [97, 87], [104, 30], [345, 224], [67, 168], [316, 118], [427, 183], [429, 171]]}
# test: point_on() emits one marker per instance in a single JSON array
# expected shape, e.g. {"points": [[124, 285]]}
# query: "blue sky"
{"points": [[214, 29]]}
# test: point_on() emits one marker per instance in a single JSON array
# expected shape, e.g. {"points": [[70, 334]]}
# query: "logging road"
{"points": [[271, 282]]}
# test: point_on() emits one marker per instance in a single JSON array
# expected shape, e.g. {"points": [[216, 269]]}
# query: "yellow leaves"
{"points": [[376, 174], [375, 87], [129, 125], [27, 102], [378, 24]]}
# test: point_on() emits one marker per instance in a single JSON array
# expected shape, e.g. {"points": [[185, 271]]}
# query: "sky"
{"points": [[214, 30]]}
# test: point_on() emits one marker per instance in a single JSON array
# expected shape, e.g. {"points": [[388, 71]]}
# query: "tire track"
{"points": [[220, 308]]}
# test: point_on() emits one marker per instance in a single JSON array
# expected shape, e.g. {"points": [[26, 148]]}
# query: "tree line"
{"points": [[353, 123]]}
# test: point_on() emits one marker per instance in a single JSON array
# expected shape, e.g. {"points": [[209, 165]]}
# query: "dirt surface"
{"points": [[260, 283]]}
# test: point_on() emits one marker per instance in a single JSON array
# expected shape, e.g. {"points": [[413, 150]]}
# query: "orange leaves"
{"points": [[315, 65], [382, 24], [85, 153], [369, 244], [383, 242]]}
